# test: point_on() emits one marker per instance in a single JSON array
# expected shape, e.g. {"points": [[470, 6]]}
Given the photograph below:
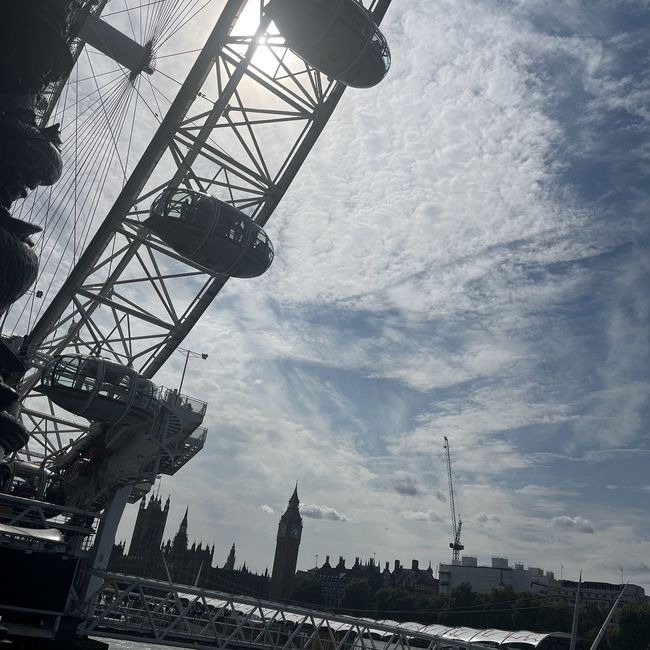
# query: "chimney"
{"points": [[414, 566], [397, 566]]}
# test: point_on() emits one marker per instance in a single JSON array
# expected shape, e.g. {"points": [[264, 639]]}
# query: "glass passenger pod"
{"points": [[99, 389], [337, 37], [211, 233]]}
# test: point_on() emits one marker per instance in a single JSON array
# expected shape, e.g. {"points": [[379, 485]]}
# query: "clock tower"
{"points": [[286, 550]]}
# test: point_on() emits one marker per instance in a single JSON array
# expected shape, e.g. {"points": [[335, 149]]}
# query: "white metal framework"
{"points": [[137, 609], [242, 123]]}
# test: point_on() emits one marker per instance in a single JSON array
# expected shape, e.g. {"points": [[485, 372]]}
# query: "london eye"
{"points": [[175, 155]]}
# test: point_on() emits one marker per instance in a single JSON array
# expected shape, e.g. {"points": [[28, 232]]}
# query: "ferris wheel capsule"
{"points": [[211, 233], [337, 37], [99, 389]]}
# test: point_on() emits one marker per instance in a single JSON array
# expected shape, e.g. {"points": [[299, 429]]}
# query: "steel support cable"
{"points": [[90, 78], [89, 125], [105, 163], [49, 201], [168, 16], [44, 267], [61, 114], [97, 136], [154, 23], [169, 35], [50, 228], [128, 15], [135, 110], [76, 156], [155, 97], [131, 97], [111, 87], [112, 137], [141, 6], [144, 101], [167, 56], [96, 199], [62, 209], [139, 19], [96, 91]]}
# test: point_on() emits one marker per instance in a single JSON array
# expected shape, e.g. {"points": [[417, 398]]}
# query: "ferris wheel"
{"points": [[182, 134]]}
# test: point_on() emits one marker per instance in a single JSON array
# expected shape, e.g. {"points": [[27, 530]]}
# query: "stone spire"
{"points": [[230, 562], [294, 501], [180, 539]]}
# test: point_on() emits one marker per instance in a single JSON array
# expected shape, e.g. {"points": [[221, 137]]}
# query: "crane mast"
{"points": [[456, 525]]}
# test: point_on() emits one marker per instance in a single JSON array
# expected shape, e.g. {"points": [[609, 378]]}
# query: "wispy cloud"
{"points": [[406, 484], [578, 524], [416, 515], [465, 253], [323, 512]]}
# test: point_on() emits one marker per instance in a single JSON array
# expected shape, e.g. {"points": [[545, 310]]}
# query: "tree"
{"points": [[498, 609], [356, 595], [554, 617], [632, 629], [307, 590], [464, 601], [394, 603]]}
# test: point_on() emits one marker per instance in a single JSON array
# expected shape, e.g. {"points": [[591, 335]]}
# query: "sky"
{"points": [[465, 253]]}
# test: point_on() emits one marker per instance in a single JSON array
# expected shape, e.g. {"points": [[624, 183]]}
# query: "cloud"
{"points": [[267, 509], [637, 569], [406, 484], [577, 524], [417, 515], [484, 517], [322, 512]]}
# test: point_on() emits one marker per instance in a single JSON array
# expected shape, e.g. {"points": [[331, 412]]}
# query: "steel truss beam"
{"points": [[241, 126], [137, 609]]}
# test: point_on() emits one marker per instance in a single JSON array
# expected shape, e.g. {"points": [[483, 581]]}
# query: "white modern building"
{"points": [[499, 574], [483, 579]]}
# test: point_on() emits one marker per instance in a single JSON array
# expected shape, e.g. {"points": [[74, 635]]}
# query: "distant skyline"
{"points": [[464, 253]]}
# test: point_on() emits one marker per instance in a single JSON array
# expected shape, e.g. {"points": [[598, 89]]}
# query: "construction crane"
{"points": [[456, 525]]}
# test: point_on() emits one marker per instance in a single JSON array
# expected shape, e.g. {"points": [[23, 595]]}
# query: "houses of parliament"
{"points": [[151, 557], [175, 560]]}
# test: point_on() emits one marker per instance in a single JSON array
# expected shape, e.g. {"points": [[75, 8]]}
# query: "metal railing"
{"points": [[135, 608], [21, 516], [178, 400]]}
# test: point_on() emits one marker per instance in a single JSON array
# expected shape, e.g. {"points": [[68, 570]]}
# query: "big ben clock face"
{"points": [[295, 531]]}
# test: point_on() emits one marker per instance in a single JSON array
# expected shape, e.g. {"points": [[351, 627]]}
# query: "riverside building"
{"points": [[533, 580]]}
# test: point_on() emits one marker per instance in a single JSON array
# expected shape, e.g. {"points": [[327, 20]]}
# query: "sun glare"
{"points": [[247, 25]]}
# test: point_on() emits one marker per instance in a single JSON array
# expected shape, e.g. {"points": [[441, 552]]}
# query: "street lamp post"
{"points": [[203, 355]]}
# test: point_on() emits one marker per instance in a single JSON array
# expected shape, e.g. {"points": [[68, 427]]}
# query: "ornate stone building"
{"points": [[335, 579], [186, 563]]}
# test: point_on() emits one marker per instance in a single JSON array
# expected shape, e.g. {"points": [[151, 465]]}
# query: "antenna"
{"points": [[455, 527]]}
